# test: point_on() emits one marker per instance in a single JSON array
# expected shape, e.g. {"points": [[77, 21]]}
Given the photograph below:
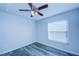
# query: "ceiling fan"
{"points": [[35, 10]]}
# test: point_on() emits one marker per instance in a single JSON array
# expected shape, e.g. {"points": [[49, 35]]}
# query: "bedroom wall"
{"points": [[73, 34], [15, 32]]}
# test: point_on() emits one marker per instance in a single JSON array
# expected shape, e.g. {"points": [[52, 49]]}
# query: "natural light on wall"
{"points": [[58, 31]]}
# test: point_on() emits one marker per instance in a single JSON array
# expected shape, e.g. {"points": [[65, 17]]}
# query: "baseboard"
{"points": [[75, 54]]}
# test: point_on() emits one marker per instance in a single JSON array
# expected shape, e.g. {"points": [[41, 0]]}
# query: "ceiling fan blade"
{"points": [[24, 10], [31, 15], [42, 7], [30, 4], [40, 14]]}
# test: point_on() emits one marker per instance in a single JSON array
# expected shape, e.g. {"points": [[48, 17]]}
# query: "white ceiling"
{"points": [[53, 9]]}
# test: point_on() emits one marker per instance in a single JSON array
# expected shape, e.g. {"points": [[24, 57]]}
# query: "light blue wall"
{"points": [[3, 6], [73, 34], [15, 32]]}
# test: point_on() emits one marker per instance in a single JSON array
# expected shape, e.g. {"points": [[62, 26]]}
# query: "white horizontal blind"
{"points": [[57, 31]]}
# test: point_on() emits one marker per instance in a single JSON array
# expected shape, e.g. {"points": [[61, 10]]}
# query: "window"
{"points": [[57, 31]]}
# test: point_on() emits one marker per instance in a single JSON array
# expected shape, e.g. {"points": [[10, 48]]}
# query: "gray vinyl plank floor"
{"points": [[37, 49]]}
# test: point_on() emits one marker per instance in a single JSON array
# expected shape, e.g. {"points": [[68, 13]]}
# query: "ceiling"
{"points": [[53, 9]]}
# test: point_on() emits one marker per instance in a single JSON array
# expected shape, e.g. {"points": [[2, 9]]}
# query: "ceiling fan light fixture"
{"points": [[36, 13], [32, 12]]}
